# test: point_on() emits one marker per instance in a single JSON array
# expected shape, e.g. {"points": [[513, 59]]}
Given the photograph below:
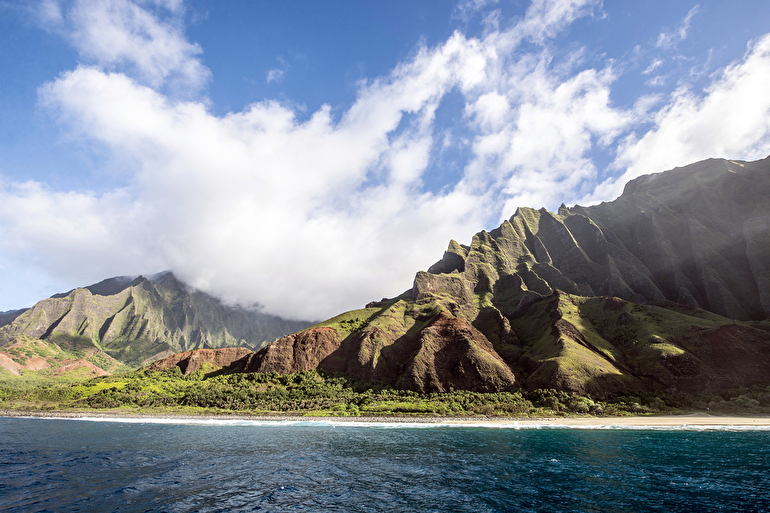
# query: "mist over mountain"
{"points": [[136, 319], [667, 287]]}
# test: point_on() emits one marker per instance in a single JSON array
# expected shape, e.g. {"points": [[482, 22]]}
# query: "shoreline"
{"points": [[671, 420]]}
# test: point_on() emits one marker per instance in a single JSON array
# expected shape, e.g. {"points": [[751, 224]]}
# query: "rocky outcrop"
{"points": [[299, 352], [452, 354], [447, 353], [8, 364], [191, 361], [137, 319]]}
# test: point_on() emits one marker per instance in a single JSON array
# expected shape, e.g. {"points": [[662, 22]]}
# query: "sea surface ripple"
{"points": [[74, 465]]}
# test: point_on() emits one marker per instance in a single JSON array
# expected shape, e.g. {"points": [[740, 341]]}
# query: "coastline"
{"points": [[651, 421]]}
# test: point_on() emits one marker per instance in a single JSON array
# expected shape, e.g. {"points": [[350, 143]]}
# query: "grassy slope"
{"points": [[61, 357]]}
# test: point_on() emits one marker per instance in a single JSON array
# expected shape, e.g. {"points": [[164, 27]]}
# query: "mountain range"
{"points": [[666, 288], [129, 321]]}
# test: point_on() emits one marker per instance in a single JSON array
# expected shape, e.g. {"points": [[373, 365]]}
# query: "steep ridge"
{"points": [[138, 320], [436, 356], [665, 288], [698, 236]]}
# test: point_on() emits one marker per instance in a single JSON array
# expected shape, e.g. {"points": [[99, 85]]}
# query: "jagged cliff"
{"points": [[138, 319], [667, 287], [698, 235]]}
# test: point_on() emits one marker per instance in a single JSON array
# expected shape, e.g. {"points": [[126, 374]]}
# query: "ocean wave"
{"points": [[386, 424]]}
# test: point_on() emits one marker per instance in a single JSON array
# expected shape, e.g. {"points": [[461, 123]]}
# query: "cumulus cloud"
{"points": [[533, 142], [66, 224], [315, 216], [146, 38], [305, 217]]}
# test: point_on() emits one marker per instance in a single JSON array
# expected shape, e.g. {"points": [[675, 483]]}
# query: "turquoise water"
{"points": [[77, 465]]}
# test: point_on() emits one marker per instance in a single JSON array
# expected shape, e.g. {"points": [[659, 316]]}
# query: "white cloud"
{"points": [[145, 39], [308, 218], [536, 151], [546, 18], [466, 9], [655, 64], [671, 39], [275, 75], [67, 224], [731, 119], [314, 217], [49, 12], [491, 110], [656, 81]]}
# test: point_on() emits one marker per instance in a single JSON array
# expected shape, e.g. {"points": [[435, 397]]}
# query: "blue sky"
{"points": [[312, 156]]}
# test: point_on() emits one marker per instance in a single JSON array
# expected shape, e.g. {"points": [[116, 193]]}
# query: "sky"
{"points": [[308, 157]]}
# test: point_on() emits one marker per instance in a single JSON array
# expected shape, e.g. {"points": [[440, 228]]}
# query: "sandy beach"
{"points": [[652, 421]]}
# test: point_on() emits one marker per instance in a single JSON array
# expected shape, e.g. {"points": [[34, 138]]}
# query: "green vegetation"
{"points": [[350, 322], [29, 381], [137, 320], [314, 393], [50, 356]]}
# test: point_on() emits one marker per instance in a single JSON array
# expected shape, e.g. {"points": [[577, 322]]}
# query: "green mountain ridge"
{"points": [[664, 289], [136, 321]]}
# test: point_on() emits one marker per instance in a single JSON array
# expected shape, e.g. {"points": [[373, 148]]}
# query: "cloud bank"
{"points": [[310, 217]]}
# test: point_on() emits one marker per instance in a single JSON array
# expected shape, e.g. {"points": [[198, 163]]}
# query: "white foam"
{"points": [[514, 425]]}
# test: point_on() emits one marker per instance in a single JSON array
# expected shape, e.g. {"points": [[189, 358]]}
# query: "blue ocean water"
{"points": [[77, 465]]}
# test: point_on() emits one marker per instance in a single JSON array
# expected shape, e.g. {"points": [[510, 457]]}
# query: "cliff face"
{"points": [[442, 354], [698, 235], [192, 361], [666, 287], [138, 320]]}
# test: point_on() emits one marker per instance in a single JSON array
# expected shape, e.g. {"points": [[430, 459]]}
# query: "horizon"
{"points": [[311, 157]]}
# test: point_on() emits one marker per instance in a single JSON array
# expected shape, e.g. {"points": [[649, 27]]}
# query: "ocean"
{"points": [[219, 465]]}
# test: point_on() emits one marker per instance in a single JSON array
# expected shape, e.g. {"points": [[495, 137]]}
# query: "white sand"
{"points": [[694, 420]]}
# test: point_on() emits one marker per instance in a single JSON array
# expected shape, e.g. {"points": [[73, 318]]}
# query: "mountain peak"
{"points": [[133, 319], [632, 295]]}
